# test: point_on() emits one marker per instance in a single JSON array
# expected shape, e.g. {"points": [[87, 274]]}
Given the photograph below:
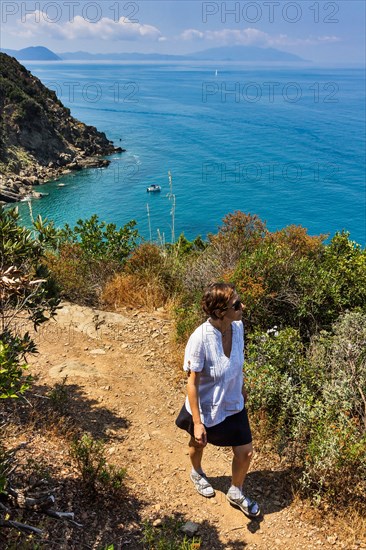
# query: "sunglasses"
{"points": [[236, 305]]}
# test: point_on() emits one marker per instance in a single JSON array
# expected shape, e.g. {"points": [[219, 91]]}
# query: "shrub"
{"points": [[102, 241], [12, 350], [149, 261], [239, 234], [277, 377], [95, 471], [84, 258], [168, 536], [292, 279], [150, 279], [79, 278], [23, 297], [17, 244], [336, 453], [59, 396], [313, 404]]}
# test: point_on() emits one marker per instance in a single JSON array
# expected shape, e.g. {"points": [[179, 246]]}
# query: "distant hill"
{"points": [[34, 53], [244, 53], [39, 139], [225, 53], [86, 56]]}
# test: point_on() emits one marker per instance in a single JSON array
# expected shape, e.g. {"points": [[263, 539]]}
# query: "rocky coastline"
{"points": [[39, 139], [15, 187]]}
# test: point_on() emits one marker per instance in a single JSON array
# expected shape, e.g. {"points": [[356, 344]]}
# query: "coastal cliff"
{"points": [[39, 139]]}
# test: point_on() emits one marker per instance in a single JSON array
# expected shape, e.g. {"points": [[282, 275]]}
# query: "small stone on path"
{"points": [[190, 528]]}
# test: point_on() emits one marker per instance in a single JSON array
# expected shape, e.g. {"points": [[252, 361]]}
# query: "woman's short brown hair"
{"points": [[217, 297]]}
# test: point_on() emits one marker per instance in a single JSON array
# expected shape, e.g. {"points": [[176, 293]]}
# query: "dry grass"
{"points": [[349, 525], [134, 291]]}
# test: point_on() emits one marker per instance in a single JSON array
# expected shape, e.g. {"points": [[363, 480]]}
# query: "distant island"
{"points": [[225, 53], [34, 53], [39, 139]]}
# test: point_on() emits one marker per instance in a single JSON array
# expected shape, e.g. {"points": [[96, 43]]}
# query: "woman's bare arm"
{"points": [[192, 391]]}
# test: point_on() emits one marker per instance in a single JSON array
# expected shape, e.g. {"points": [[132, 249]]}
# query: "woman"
{"points": [[214, 409]]}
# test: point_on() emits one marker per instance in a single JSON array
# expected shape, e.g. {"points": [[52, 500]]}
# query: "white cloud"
{"points": [[192, 34], [38, 24], [252, 37], [329, 39]]}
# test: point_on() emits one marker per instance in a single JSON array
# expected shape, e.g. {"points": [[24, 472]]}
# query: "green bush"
{"points": [[168, 536], [278, 377], [12, 350], [102, 241], [312, 403], [95, 471], [24, 295], [84, 258], [187, 318]]}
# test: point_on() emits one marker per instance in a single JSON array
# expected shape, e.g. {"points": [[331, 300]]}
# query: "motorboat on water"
{"points": [[153, 188]]}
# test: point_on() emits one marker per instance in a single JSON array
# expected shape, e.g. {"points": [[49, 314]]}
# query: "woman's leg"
{"points": [[195, 454], [241, 461], [197, 476]]}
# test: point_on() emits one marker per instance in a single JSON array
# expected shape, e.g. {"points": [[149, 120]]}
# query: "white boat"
{"points": [[153, 188]]}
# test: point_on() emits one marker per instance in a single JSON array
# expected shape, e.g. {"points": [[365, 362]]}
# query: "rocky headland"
{"points": [[39, 139]]}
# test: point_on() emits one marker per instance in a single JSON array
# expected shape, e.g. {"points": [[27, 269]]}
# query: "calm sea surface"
{"points": [[287, 144]]}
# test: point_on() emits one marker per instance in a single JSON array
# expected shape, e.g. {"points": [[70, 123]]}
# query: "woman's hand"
{"points": [[200, 435]]}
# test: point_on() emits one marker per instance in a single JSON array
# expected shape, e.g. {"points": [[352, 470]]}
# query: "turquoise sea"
{"points": [[287, 144]]}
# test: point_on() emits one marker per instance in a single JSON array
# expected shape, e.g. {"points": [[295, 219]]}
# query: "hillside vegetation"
{"points": [[305, 319]]}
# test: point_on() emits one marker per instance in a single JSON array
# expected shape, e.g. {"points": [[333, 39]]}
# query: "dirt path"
{"points": [[119, 365]]}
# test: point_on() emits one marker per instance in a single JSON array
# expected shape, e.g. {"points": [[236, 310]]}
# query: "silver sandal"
{"points": [[202, 485], [245, 504]]}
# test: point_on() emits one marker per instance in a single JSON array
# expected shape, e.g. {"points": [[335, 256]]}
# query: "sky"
{"points": [[321, 31]]}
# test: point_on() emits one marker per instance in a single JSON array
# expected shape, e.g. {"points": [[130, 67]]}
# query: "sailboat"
{"points": [[216, 72]]}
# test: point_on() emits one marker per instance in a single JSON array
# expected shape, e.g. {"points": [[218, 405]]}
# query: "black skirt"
{"points": [[231, 432]]}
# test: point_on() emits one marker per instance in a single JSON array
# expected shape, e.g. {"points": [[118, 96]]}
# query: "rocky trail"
{"points": [[123, 387]]}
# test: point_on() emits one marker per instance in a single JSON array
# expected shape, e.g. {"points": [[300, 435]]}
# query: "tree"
{"points": [[25, 295]]}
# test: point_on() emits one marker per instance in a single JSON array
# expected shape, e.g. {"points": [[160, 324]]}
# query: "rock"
{"points": [[74, 166], [190, 528], [72, 368], [97, 351], [31, 180], [157, 522]]}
